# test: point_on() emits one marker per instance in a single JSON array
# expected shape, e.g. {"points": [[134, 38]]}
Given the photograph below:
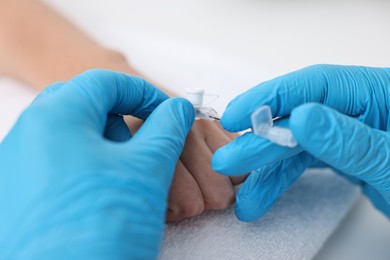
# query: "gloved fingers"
{"points": [[320, 164], [160, 140], [50, 89], [377, 199], [88, 98], [345, 88], [265, 185], [344, 143], [116, 129], [249, 152]]}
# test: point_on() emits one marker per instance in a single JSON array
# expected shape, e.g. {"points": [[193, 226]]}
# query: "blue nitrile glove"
{"points": [[340, 117], [72, 184]]}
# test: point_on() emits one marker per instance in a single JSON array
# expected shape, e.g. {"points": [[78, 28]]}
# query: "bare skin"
{"points": [[39, 47]]}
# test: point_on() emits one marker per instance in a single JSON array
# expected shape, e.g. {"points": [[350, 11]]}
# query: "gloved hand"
{"points": [[340, 117], [75, 184]]}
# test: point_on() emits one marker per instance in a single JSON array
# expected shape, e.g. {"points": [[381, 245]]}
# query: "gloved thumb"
{"points": [[161, 140], [344, 143]]}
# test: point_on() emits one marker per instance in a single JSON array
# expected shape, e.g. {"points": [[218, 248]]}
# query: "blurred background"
{"points": [[228, 46]]}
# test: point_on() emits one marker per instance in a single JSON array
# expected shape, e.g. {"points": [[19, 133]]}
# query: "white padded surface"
{"points": [[295, 228]]}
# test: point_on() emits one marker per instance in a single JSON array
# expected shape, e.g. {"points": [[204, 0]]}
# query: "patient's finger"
{"points": [[116, 129], [133, 123], [231, 135], [185, 198], [217, 190], [215, 138]]}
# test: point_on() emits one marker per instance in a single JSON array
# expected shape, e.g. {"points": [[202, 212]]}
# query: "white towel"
{"points": [[295, 228]]}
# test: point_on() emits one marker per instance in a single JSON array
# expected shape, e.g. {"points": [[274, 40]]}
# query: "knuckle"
{"points": [[220, 199], [191, 208]]}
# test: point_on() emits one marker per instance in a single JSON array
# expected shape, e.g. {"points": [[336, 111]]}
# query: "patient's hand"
{"points": [[52, 49], [196, 187]]}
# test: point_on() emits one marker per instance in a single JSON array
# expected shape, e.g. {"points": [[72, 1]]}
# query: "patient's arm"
{"points": [[39, 47]]}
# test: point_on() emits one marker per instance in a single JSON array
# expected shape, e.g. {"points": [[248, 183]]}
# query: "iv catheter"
{"points": [[195, 96], [262, 121], [262, 125]]}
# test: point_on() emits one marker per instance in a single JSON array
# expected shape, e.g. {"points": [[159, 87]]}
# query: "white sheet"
{"points": [[295, 228]]}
